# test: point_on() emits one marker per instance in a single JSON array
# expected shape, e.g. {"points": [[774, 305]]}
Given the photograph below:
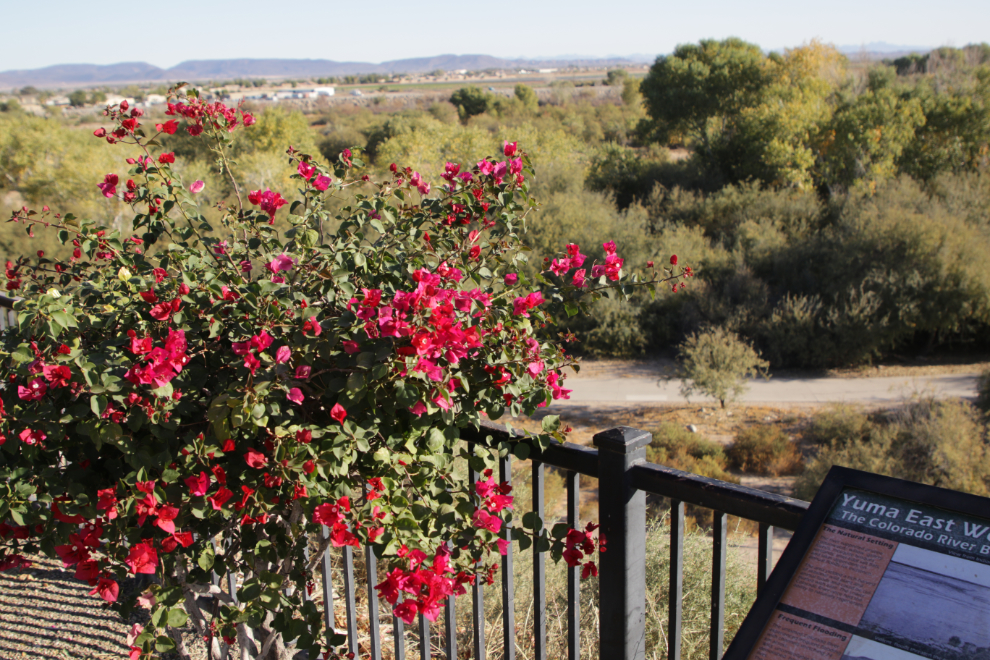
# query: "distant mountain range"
{"points": [[65, 75]]}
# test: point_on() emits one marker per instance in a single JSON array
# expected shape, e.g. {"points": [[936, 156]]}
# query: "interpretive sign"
{"points": [[879, 569]]}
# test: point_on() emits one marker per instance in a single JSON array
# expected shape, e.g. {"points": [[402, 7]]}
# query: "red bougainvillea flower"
{"points": [[306, 170], [269, 201], [166, 518], [218, 499], [168, 127], [338, 413], [313, 326], [303, 371], [255, 459], [509, 148], [108, 590], [109, 185], [295, 395], [31, 437], [166, 158], [673, 260], [142, 559], [406, 611], [578, 279], [322, 182]]}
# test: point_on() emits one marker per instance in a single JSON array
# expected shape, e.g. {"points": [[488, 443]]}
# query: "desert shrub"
{"points": [[715, 362], [674, 446], [764, 450], [941, 443]]}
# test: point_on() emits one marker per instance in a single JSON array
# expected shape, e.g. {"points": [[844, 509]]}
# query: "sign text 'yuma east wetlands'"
{"points": [[891, 518]]}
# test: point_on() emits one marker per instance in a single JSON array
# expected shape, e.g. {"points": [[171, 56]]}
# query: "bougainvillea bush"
{"points": [[184, 399]]}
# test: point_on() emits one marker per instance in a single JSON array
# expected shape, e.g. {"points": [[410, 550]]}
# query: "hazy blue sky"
{"points": [[166, 33]]}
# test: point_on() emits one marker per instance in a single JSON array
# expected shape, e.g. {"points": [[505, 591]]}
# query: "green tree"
{"points": [[616, 77], [527, 96], [78, 98], [698, 92], [715, 362], [869, 132], [471, 101]]}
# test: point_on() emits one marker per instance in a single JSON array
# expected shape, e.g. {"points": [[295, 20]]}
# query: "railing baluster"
{"points": [[398, 632], [539, 570], [675, 597], [349, 600], [373, 626], [764, 557], [573, 572], [325, 569], [478, 595], [450, 627], [424, 638], [622, 575], [508, 587], [306, 595], [717, 633]]}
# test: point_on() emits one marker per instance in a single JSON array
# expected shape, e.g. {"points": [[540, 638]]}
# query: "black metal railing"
{"points": [[624, 480]]}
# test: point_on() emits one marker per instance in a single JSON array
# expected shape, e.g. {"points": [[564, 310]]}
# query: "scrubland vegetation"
{"points": [[832, 217]]}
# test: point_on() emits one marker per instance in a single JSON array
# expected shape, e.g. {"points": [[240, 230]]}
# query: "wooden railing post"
{"points": [[622, 567]]}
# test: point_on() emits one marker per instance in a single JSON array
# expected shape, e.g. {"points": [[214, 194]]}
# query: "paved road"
{"points": [[778, 390]]}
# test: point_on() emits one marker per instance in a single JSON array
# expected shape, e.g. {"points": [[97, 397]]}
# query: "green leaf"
{"points": [[177, 617], [532, 521], [98, 404], [550, 423], [206, 558], [521, 450], [164, 644]]}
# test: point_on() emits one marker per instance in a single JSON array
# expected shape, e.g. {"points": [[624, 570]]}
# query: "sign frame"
{"points": [[836, 481]]}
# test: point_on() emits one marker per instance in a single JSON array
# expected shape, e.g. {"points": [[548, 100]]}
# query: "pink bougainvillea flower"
{"points": [[251, 362], [511, 279], [609, 247], [147, 600], [295, 395], [322, 182], [196, 187], [350, 347], [255, 459], [484, 520], [578, 279], [418, 409], [597, 271], [133, 633], [281, 262], [35, 390], [338, 413], [283, 354], [303, 371], [142, 559]]}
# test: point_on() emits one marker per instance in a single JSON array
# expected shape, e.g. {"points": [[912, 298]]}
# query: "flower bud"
{"points": [[123, 274]]}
